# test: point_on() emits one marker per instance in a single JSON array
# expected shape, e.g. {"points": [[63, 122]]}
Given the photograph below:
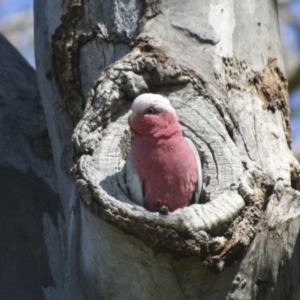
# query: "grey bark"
{"points": [[32, 226], [219, 63]]}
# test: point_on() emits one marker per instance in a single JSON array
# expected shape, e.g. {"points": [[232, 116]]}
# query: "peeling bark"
{"points": [[220, 65], [66, 46]]}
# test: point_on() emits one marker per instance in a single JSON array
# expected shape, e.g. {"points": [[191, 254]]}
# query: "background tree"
{"points": [[289, 12], [220, 65]]}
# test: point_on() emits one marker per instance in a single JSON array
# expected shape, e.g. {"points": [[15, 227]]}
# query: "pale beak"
{"points": [[130, 120], [131, 117]]}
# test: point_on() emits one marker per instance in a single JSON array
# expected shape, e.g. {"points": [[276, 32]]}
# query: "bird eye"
{"points": [[150, 111]]}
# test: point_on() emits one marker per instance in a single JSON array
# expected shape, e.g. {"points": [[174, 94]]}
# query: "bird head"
{"points": [[152, 114]]}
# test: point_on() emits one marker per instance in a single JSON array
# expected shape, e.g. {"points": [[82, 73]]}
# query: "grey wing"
{"points": [[134, 182], [197, 192]]}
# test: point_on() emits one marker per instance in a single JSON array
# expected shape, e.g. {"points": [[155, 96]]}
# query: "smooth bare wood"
{"points": [[32, 227]]}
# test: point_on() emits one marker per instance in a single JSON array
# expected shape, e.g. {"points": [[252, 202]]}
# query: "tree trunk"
{"points": [[220, 64], [31, 222]]}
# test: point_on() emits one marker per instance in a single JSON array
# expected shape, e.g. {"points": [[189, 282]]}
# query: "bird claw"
{"points": [[164, 210]]}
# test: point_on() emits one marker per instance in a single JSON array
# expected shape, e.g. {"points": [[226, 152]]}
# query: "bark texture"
{"points": [[219, 63], [32, 226]]}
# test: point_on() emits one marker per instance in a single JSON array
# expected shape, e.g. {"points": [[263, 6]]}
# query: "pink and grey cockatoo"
{"points": [[163, 167]]}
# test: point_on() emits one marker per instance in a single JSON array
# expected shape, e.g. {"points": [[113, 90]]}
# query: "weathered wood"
{"points": [[219, 63], [128, 77]]}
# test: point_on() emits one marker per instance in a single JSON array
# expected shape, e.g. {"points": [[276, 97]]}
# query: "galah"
{"points": [[163, 167]]}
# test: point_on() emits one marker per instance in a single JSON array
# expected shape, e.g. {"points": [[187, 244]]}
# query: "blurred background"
{"points": [[16, 24]]}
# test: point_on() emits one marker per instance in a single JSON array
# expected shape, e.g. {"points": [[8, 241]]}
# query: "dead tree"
{"points": [[220, 64]]}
